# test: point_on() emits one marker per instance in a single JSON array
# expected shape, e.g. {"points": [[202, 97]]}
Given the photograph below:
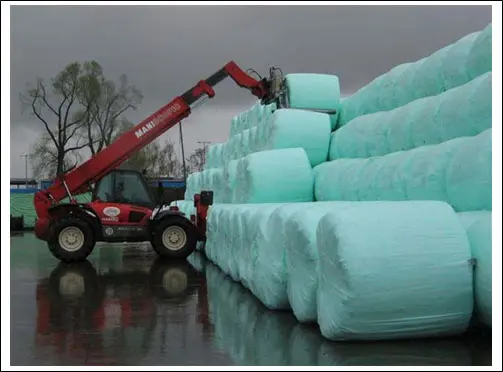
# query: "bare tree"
{"points": [[44, 158], [195, 162], [56, 106], [107, 104], [155, 159]]}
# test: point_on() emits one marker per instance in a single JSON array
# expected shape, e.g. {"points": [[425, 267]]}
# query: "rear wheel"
{"points": [[72, 239], [174, 237]]}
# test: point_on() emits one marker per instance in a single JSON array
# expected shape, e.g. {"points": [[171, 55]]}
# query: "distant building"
{"points": [[23, 185], [167, 182]]}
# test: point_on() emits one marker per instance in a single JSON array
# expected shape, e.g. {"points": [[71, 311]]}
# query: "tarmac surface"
{"points": [[125, 306]]}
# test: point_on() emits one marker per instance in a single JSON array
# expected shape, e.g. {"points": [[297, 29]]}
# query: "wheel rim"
{"points": [[71, 239], [174, 281], [174, 238], [71, 285]]}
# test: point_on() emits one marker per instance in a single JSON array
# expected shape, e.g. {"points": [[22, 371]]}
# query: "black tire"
{"points": [[87, 235], [172, 278], [183, 229]]}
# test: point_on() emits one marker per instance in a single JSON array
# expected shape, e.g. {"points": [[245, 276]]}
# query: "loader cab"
{"points": [[126, 187]]}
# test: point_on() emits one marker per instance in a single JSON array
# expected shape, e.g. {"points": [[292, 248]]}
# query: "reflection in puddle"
{"points": [[253, 335], [127, 307]]}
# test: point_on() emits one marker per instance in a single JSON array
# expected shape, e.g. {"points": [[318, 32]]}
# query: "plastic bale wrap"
{"points": [[288, 128], [480, 57], [234, 126], [255, 226], [301, 257], [443, 70], [270, 272], [223, 253], [274, 176], [469, 176], [234, 240], [231, 231], [462, 111], [219, 160], [214, 232], [259, 112], [478, 226], [197, 261], [456, 171], [229, 175], [244, 121], [393, 353], [254, 115], [261, 134], [217, 184], [455, 73], [314, 91], [244, 144], [238, 240], [393, 270], [232, 148], [252, 139], [213, 156], [194, 182]]}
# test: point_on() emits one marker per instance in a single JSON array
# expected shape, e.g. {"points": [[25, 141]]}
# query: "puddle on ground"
{"points": [[125, 306]]}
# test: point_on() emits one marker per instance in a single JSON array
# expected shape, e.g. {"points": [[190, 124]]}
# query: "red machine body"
{"points": [[110, 218]]}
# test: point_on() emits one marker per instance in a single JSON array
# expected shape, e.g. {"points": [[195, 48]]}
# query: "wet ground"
{"points": [[127, 307]]}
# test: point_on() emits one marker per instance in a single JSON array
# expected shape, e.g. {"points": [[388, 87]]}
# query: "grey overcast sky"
{"points": [[166, 49]]}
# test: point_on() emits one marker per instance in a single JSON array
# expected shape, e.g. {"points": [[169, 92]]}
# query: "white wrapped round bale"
{"points": [[234, 126], [443, 70], [230, 170], [480, 57], [274, 176], [217, 184], [193, 185], [288, 128], [216, 231], [456, 171], [255, 226], [459, 112], [244, 143], [478, 226], [314, 91], [270, 273], [469, 176], [214, 157], [393, 270], [240, 227], [301, 258]]}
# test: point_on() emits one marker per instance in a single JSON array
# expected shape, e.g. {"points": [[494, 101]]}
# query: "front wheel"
{"points": [[174, 237], [72, 239]]}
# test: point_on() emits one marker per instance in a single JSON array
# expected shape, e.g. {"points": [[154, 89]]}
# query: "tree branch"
{"points": [[75, 148], [44, 97], [43, 121]]}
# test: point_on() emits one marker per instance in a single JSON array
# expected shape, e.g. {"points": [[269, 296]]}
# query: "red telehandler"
{"points": [[122, 208]]}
